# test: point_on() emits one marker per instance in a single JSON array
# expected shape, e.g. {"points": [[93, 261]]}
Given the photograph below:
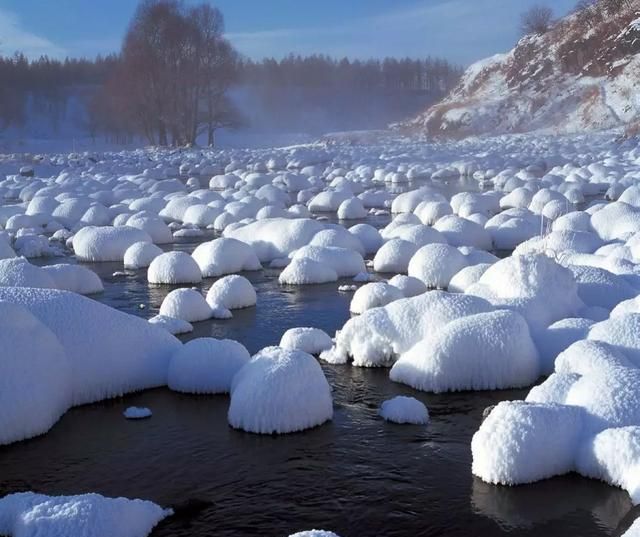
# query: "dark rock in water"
{"points": [[487, 411], [27, 171]]}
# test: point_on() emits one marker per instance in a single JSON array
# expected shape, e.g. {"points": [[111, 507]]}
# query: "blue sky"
{"points": [[459, 30]]}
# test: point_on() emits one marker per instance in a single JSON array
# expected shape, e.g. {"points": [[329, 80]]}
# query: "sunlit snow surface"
{"points": [[423, 232]]}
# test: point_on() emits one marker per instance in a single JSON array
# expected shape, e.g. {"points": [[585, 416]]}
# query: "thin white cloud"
{"points": [[15, 38]]}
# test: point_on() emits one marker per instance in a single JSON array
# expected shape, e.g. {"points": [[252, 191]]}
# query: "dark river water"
{"points": [[356, 475]]}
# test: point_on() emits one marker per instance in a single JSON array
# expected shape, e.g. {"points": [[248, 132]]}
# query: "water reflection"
{"points": [[561, 498]]}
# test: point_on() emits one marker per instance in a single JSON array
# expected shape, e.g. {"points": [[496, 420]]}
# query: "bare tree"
{"points": [[175, 68], [537, 20]]}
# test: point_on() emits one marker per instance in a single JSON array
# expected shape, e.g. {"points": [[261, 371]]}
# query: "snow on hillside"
{"points": [[576, 77]]}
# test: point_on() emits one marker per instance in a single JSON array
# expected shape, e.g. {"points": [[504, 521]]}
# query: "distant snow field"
{"points": [[483, 264]]}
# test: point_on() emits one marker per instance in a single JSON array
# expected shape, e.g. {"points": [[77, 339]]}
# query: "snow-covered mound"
{"points": [[280, 391], [74, 278], [373, 295], [186, 304], [36, 375], [487, 351], [140, 255], [27, 514], [171, 324], [585, 417], [106, 243], [174, 268], [579, 75], [273, 238], [380, 335], [401, 409], [206, 365], [102, 366], [309, 340], [18, 272], [232, 292], [535, 286], [305, 271], [225, 256]]}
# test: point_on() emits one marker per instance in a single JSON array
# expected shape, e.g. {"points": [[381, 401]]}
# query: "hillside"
{"points": [[583, 74]]}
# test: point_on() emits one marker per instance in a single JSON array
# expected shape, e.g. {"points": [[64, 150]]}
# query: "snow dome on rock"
{"points": [[394, 256], [36, 375], [467, 277], [206, 365], [401, 409], [26, 514], [232, 292], [186, 304], [615, 220], [339, 237], [140, 255], [523, 442], [154, 226], [343, 261], [18, 272], [174, 268], [613, 456], [415, 233], [103, 366], [626, 306], [280, 391], [462, 232], [487, 351], [537, 287], [408, 285], [559, 242], [106, 243], [328, 201], [225, 256], [436, 264], [30, 245], [171, 324], [277, 237], [408, 201], [373, 295], [351, 209], [622, 333], [599, 287], [176, 207], [368, 236], [309, 340], [74, 278], [201, 215], [306, 271], [429, 212], [380, 335], [557, 337]]}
